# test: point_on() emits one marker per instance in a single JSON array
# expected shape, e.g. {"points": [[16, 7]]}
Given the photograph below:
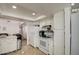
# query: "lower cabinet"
{"points": [[8, 45], [59, 42]]}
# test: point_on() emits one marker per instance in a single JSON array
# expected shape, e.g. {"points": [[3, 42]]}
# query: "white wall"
{"points": [[31, 33], [46, 21], [25, 27], [11, 27]]}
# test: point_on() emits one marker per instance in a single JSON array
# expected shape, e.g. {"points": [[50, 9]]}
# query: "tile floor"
{"points": [[27, 50]]}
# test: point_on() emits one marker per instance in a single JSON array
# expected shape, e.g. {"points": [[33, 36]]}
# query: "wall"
{"points": [[24, 28], [30, 32], [46, 21], [10, 27]]}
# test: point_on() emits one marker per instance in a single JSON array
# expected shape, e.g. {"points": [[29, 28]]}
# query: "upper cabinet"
{"points": [[59, 20]]}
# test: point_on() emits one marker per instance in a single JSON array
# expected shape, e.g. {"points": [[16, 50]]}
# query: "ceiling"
{"points": [[25, 10]]}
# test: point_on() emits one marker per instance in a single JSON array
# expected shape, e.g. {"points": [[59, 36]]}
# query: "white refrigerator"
{"points": [[75, 34]]}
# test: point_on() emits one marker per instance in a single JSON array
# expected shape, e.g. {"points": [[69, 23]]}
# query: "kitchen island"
{"points": [[8, 44]]}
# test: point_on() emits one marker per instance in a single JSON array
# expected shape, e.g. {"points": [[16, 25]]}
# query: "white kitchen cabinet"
{"points": [[59, 20], [59, 33], [8, 44], [59, 42]]}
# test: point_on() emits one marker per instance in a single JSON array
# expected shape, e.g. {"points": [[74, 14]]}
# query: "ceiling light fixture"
{"points": [[14, 6], [33, 14], [72, 4]]}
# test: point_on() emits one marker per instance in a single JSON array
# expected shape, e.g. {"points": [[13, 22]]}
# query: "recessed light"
{"points": [[72, 4], [14, 6], [33, 14]]}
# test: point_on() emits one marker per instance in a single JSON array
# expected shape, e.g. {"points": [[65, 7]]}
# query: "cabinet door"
{"points": [[59, 42], [8, 45], [59, 20], [59, 33]]}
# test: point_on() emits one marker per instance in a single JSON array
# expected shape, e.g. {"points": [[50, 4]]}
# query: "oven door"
{"points": [[44, 45]]}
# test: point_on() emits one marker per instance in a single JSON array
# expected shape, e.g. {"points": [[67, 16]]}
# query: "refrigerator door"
{"points": [[75, 34]]}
